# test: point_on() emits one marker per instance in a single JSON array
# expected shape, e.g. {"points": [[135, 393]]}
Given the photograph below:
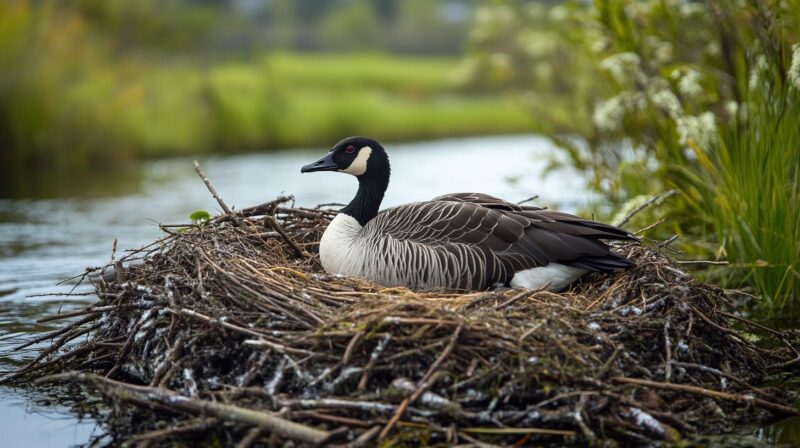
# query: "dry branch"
{"points": [[143, 395]]}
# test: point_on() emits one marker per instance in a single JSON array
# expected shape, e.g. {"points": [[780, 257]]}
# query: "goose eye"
{"points": [[350, 149]]}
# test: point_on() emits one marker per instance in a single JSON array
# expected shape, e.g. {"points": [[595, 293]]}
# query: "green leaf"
{"points": [[200, 216]]}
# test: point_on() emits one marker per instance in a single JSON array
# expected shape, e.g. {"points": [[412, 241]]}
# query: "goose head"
{"points": [[358, 156], [365, 159]]}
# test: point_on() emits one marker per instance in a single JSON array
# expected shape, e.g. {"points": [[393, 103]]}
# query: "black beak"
{"points": [[324, 164]]}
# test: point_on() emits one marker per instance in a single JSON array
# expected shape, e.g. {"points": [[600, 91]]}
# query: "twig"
{"points": [[745, 399], [720, 373], [257, 342], [55, 333], [667, 353], [711, 262], [250, 437], [367, 406], [509, 431], [512, 300], [199, 170], [159, 435], [143, 395], [351, 346], [373, 358], [655, 224], [347, 421], [667, 241], [80, 312], [653, 200], [724, 330], [588, 434], [366, 438], [278, 228], [530, 199], [422, 384]]}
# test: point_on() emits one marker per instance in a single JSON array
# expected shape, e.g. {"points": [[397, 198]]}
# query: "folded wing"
{"points": [[493, 239]]}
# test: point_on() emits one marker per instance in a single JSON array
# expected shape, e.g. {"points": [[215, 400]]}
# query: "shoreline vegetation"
{"points": [[700, 97]]}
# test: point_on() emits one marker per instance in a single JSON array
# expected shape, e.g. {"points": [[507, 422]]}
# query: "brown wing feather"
{"points": [[509, 237]]}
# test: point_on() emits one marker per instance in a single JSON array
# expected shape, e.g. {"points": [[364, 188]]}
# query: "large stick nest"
{"points": [[231, 331]]}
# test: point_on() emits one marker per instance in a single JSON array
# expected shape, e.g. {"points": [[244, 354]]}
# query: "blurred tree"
{"points": [[355, 25], [651, 95]]}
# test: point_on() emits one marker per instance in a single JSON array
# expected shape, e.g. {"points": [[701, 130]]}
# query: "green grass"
{"points": [[403, 75], [142, 108], [750, 187], [650, 97], [739, 172]]}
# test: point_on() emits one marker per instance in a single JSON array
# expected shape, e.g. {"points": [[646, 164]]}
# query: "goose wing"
{"points": [[498, 237], [483, 200]]}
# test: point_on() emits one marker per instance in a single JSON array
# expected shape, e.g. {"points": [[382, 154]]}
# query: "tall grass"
{"points": [[750, 187], [702, 97], [721, 123]]}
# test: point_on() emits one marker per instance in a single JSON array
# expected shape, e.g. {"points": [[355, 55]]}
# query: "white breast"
{"points": [[339, 246]]}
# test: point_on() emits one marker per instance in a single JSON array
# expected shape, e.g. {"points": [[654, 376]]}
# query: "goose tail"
{"points": [[604, 263]]}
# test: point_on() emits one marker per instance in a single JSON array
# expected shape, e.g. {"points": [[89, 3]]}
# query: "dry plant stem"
{"points": [[199, 170], [251, 437], [657, 199], [722, 374], [724, 330], [52, 334], [81, 312], [158, 436], [423, 384], [235, 414], [261, 341], [274, 224], [667, 353], [367, 437], [710, 262], [775, 407]]}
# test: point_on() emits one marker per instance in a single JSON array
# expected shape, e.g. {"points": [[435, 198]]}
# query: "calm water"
{"points": [[46, 240]]}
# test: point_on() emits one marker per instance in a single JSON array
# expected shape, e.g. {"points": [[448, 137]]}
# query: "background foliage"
{"points": [[95, 83], [702, 97]]}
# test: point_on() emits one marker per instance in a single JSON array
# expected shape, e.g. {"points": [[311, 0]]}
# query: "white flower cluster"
{"points": [[493, 14], [609, 114], [759, 68], [689, 82], [700, 130], [794, 69], [732, 109], [691, 9], [488, 20], [623, 67], [665, 100]]}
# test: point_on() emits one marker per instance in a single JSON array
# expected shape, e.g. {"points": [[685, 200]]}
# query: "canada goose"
{"points": [[464, 241]]}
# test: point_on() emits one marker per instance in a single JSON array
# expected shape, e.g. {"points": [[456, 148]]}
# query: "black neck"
{"points": [[371, 187]]}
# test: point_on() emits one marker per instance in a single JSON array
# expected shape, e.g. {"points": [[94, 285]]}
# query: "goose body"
{"points": [[460, 241]]}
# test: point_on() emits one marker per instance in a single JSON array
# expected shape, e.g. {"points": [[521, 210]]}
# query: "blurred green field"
{"points": [[140, 109], [78, 89]]}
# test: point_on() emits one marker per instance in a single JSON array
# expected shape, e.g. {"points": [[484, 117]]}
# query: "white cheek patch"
{"points": [[359, 165]]}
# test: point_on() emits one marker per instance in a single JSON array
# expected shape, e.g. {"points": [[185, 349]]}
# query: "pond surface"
{"points": [[73, 223]]}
